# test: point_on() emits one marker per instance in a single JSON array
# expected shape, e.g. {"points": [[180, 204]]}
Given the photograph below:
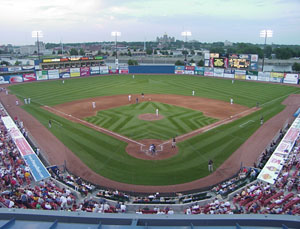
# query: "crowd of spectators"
{"points": [[19, 190]]}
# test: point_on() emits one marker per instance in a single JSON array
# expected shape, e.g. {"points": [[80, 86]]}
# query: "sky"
{"points": [[73, 21]]}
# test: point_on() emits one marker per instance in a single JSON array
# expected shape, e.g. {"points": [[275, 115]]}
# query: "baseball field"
{"points": [[100, 137]]}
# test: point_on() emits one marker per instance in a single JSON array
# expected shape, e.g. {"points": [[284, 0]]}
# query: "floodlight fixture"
{"points": [[37, 34], [186, 34], [265, 33], [116, 34]]}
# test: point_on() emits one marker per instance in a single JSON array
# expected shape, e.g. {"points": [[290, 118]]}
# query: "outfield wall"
{"points": [[15, 75]]}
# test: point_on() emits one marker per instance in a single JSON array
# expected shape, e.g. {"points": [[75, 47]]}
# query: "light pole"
{"points": [[265, 33], [37, 34], [116, 35], [185, 34]]}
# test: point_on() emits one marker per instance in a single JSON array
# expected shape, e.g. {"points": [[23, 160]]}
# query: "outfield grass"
{"points": [[124, 120], [107, 156]]}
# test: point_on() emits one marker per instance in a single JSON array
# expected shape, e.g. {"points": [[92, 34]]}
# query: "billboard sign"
{"points": [[84, 71], [219, 72], [254, 58], [206, 55], [263, 76], [229, 73], [14, 69], [29, 77], [42, 75], [179, 67], [95, 70], [254, 66], [103, 69], [291, 78], [64, 73], [3, 81], [206, 63], [14, 78], [74, 72], [53, 74], [208, 72]]}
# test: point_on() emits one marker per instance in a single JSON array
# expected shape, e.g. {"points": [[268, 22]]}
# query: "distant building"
{"points": [[164, 40], [228, 43], [33, 49]]}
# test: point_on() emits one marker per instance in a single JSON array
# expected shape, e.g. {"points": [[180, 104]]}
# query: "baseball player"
{"points": [[156, 111], [129, 98], [173, 142], [193, 92], [231, 101], [94, 105]]}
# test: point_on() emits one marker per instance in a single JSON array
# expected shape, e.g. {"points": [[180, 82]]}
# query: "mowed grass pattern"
{"points": [[107, 156], [124, 120]]}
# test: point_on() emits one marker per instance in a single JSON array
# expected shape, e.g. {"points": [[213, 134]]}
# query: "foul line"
{"points": [[246, 123], [96, 127]]}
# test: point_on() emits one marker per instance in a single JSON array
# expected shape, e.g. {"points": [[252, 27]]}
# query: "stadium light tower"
{"points": [[37, 34], [116, 35], [185, 34], [265, 33]]}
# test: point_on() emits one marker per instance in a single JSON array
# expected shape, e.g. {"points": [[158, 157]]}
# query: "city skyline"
{"points": [[93, 20]]}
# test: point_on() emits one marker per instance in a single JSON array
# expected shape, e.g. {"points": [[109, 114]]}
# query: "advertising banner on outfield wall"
{"points": [[276, 80], [277, 74], [199, 71], [208, 71], [229, 73], [3, 81], [291, 78], [84, 71], [240, 74], [189, 72], [189, 68], [64, 73], [123, 71], [41, 75], [219, 72], [103, 69], [180, 72], [251, 75], [53, 74], [29, 77], [14, 78], [263, 76], [179, 67], [74, 72], [95, 70]]}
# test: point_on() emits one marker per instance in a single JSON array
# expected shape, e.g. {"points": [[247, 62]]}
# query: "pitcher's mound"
{"points": [[150, 117], [162, 152]]}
